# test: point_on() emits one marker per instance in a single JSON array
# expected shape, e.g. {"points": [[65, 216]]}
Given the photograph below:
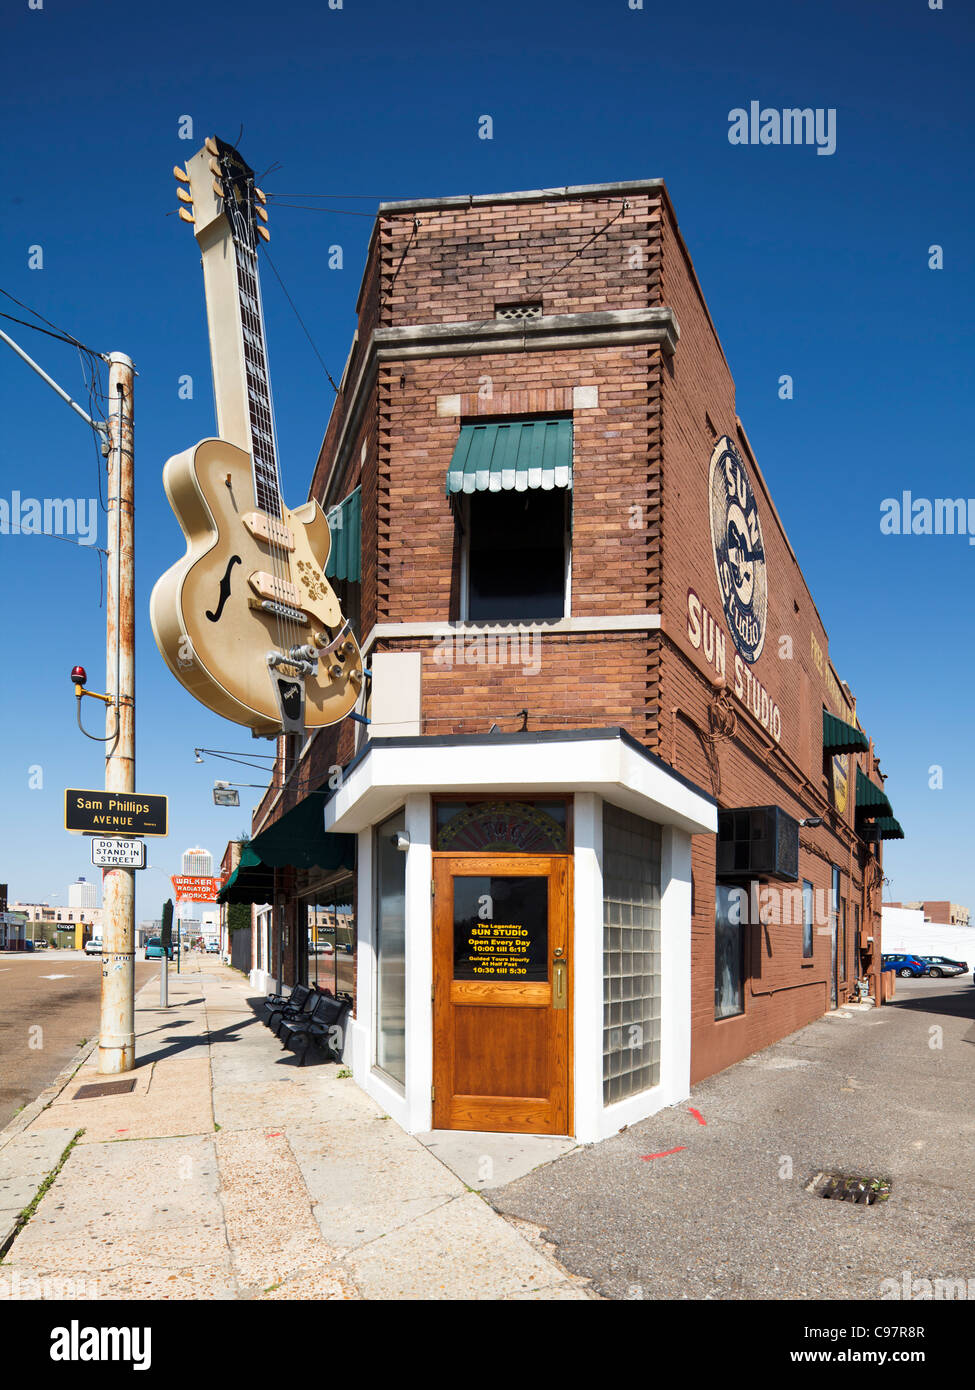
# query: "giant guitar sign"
{"points": [[246, 620]]}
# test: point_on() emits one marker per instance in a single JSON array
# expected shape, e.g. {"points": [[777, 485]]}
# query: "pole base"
{"points": [[116, 1055]]}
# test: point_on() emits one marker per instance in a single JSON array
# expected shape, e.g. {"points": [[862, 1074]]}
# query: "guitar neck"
{"points": [[267, 486], [238, 350]]}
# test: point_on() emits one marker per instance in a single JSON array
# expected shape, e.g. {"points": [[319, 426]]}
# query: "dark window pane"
{"points": [[500, 928], [516, 558], [728, 954]]}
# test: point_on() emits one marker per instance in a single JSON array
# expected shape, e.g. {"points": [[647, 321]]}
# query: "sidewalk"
{"points": [[229, 1172]]}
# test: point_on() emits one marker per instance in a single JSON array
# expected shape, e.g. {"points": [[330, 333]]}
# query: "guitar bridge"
{"points": [[279, 610]]}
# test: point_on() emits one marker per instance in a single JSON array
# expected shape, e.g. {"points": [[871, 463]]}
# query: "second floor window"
{"points": [[516, 546]]}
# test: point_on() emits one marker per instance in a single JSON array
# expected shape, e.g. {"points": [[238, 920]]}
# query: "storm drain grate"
{"points": [[841, 1187], [104, 1088]]}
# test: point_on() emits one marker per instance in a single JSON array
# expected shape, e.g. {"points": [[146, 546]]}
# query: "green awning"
{"points": [[299, 838], [251, 881], [871, 799], [512, 456], [345, 524], [842, 738], [890, 829]]}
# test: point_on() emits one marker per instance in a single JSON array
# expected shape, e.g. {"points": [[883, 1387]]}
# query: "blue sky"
{"points": [[815, 266]]}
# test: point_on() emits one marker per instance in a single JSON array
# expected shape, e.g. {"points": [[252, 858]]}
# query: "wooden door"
{"points": [[502, 997]]}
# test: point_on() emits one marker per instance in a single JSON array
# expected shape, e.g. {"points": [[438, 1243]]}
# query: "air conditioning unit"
{"points": [[758, 841]]}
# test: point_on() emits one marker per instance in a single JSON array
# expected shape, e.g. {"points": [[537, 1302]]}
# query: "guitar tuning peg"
{"points": [[218, 188], [259, 195], [261, 214], [187, 216], [180, 174], [183, 196], [263, 231], [210, 144], [215, 167]]}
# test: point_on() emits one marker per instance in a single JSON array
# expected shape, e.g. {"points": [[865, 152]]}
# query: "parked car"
{"points": [[213, 948], [943, 965], [93, 947], [155, 949], [906, 966], [40, 944]]}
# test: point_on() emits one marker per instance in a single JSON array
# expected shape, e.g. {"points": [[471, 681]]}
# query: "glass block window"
{"points": [[631, 954]]}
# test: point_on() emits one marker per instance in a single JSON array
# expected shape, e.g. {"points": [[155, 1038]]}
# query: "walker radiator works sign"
{"points": [[191, 889]]}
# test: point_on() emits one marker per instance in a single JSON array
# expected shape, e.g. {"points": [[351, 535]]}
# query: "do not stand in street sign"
{"points": [[113, 853]]}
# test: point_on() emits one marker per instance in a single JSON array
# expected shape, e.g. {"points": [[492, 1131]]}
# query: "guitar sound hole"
{"points": [[224, 589]]}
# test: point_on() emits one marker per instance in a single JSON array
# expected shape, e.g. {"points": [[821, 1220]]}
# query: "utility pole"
{"points": [[116, 1042]]}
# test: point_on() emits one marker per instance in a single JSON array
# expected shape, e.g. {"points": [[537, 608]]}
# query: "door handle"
{"points": [[559, 984]]}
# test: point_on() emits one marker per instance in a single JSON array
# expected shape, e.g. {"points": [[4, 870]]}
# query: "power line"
{"points": [[338, 212], [302, 322], [57, 333]]}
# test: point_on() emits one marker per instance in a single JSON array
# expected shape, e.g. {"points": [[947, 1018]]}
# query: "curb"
{"points": [[30, 1112]]}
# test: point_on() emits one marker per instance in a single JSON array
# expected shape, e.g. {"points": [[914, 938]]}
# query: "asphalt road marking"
{"points": [[57, 977]]}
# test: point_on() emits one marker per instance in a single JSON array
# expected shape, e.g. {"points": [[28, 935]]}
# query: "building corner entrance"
{"points": [[502, 993]]}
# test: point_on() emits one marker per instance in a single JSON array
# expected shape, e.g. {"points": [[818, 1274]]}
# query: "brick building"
{"points": [[939, 910], [613, 824]]}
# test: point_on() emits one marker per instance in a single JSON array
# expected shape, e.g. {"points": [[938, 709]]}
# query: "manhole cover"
{"points": [[104, 1088], [841, 1187]]}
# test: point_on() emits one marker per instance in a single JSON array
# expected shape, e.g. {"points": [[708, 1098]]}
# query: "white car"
{"points": [[94, 946]]}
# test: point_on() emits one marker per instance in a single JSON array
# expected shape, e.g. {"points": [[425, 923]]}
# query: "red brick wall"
{"points": [[642, 456]]}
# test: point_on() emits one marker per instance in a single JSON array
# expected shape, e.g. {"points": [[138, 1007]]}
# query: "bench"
{"points": [[279, 1017], [275, 1002], [323, 1027]]}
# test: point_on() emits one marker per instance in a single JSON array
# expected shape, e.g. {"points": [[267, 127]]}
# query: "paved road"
{"points": [[43, 1019], [884, 1092]]}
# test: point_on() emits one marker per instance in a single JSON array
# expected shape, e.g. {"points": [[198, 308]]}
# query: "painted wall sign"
{"points": [[739, 550], [705, 634], [115, 813]]}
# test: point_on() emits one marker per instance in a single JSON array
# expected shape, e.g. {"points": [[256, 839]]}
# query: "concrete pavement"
{"points": [[229, 1172], [674, 1208]]}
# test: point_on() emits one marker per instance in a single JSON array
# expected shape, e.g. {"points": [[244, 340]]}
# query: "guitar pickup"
{"points": [[268, 528], [270, 587], [280, 610]]}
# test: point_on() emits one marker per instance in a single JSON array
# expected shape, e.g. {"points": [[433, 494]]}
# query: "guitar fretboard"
{"points": [[267, 487]]}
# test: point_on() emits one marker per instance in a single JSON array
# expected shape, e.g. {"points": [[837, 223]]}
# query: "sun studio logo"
{"points": [[739, 552]]}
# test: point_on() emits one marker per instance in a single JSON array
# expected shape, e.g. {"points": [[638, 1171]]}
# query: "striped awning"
{"points": [[345, 524], [871, 799], [890, 829], [512, 457], [839, 737], [298, 838]]}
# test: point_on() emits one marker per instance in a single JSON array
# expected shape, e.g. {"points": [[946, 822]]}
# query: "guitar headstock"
{"points": [[221, 184]]}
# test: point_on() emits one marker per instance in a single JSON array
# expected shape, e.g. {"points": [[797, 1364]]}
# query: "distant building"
{"points": [[82, 894], [939, 911], [908, 929], [61, 926], [198, 862]]}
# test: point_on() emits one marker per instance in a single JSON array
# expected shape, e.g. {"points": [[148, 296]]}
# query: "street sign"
{"points": [[115, 813], [116, 853], [190, 888]]}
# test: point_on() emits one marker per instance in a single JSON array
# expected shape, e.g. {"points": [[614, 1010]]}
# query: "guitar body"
{"points": [[205, 610]]}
